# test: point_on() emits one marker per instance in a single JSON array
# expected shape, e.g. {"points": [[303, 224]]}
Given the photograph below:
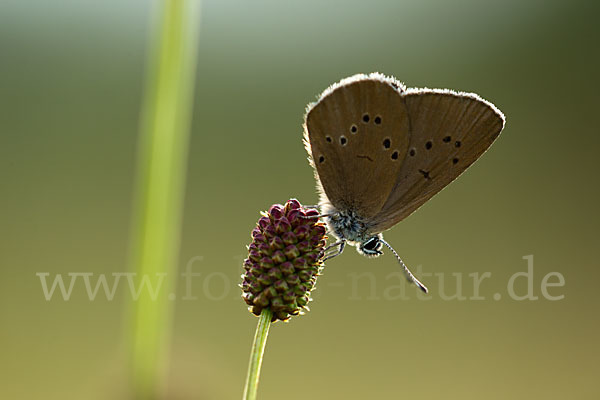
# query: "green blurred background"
{"points": [[71, 80]]}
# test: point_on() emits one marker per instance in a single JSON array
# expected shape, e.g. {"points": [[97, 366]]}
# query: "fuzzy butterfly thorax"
{"points": [[346, 224]]}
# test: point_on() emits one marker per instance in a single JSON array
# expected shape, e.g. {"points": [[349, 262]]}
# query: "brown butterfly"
{"points": [[380, 150]]}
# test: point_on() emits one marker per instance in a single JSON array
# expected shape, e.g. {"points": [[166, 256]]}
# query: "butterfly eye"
{"points": [[343, 140], [395, 155], [377, 120], [321, 159], [454, 160], [428, 145], [412, 152], [457, 143], [353, 129], [366, 118], [371, 244], [328, 138], [447, 139], [387, 143]]}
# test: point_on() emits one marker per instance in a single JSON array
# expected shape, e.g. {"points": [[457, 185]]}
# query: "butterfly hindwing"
{"points": [[449, 131]]}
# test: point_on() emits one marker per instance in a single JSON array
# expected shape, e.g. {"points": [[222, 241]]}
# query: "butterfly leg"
{"points": [[340, 249], [331, 246], [317, 216]]}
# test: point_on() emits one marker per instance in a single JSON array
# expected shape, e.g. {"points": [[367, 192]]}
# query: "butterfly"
{"points": [[380, 150]]}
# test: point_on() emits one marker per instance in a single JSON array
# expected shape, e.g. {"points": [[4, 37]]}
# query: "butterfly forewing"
{"points": [[358, 134], [448, 132]]}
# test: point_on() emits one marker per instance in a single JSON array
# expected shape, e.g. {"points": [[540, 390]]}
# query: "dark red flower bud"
{"points": [[263, 222], [291, 252], [264, 248], [274, 274], [275, 212], [278, 257], [281, 285], [300, 263], [293, 280], [266, 263], [289, 238], [304, 246], [254, 255], [287, 268], [276, 243], [282, 225], [270, 231], [302, 232], [292, 204], [296, 217]]}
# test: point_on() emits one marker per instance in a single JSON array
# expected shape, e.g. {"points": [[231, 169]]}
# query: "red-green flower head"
{"points": [[284, 260]]}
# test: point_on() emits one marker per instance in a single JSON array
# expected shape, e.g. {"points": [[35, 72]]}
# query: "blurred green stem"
{"points": [[256, 355], [160, 181]]}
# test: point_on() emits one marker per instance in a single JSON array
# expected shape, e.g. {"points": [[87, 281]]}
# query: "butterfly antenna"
{"points": [[407, 272]]}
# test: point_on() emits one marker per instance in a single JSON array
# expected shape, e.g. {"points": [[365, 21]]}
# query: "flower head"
{"points": [[284, 260]]}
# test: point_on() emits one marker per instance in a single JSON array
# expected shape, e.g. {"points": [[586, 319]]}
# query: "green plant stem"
{"points": [[160, 183], [256, 355]]}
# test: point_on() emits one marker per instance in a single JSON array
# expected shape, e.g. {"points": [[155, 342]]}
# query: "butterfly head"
{"points": [[371, 247]]}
